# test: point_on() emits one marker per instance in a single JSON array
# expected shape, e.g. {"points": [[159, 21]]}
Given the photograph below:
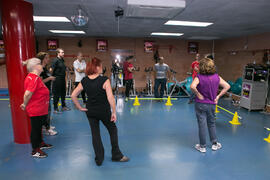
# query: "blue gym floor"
{"points": [[159, 141]]}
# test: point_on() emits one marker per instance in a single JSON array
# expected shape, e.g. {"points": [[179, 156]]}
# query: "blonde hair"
{"points": [[41, 55], [30, 63], [207, 66]]}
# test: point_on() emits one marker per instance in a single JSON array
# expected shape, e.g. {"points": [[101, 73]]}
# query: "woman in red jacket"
{"points": [[36, 103]]}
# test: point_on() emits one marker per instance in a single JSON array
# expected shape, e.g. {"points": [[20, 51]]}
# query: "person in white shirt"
{"points": [[161, 73], [79, 69]]}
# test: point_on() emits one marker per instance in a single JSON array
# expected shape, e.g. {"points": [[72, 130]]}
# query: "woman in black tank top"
{"points": [[98, 108]]}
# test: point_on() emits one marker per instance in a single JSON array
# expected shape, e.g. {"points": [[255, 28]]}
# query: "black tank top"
{"points": [[97, 102]]}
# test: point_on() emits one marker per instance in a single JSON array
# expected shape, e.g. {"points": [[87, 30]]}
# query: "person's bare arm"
{"points": [[194, 89], [50, 70], [51, 78], [154, 72], [76, 67], [130, 69], [26, 97], [74, 96], [225, 87], [79, 70], [110, 97], [168, 73]]}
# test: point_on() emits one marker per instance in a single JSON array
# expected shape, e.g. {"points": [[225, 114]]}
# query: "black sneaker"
{"points": [[45, 146], [123, 159], [38, 153]]}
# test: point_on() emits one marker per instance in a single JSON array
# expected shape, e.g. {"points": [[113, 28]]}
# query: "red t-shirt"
{"points": [[39, 103], [127, 73], [193, 65]]}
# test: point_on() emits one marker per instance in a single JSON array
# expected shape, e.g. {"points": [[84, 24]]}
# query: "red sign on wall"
{"points": [[102, 45], [148, 46], [52, 44], [2, 47]]}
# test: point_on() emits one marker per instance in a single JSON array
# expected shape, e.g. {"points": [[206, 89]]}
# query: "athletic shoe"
{"points": [[216, 146], [57, 112], [199, 148], [66, 109], [123, 159], [38, 153], [126, 99], [52, 127], [50, 132], [43, 145]]}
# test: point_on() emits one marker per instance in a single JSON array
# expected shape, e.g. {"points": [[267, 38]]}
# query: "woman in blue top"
{"points": [[205, 87]]}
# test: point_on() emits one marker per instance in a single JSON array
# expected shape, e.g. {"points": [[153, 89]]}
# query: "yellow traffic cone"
{"points": [[136, 102], [267, 139], [217, 111], [169, 103], [235, 120]]}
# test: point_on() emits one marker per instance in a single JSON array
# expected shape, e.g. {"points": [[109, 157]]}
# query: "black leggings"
{"points": [[36, 127], [96, 139], [82, 93], [128, 84], [59, 90], [47, 121]]}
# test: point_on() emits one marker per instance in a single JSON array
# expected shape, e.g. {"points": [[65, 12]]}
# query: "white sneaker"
{"points": [[51, 132], [52, 127], [216, 146], [199, 148]]}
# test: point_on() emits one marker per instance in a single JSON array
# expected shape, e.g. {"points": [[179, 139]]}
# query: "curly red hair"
{"points": [[91, 67]]}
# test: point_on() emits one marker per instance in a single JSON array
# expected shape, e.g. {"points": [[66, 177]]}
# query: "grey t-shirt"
{"points": [[161, 70]]}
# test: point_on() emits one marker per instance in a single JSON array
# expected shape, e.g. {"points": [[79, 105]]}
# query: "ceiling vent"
{"points": [[163, 9]]}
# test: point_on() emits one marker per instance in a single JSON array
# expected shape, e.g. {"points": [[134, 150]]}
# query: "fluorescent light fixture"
{"points": [[166, 34], [188, 23], [51, 19], [67, 32]]}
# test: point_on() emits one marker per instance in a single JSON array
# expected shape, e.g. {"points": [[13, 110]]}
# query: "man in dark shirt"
{"points": [[59, 85]]}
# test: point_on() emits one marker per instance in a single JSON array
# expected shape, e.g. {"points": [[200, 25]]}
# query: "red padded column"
{"points": [[18, 35]]}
